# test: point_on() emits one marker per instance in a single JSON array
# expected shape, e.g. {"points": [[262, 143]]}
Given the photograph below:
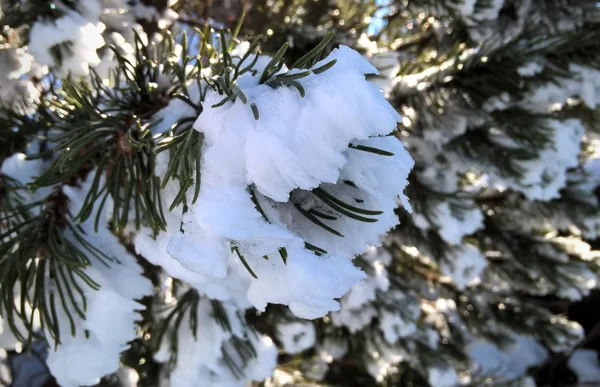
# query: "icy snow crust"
{"points": [[296, 145]]}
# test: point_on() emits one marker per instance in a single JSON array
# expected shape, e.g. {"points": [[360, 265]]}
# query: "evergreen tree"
{"points": [[198, 193]]}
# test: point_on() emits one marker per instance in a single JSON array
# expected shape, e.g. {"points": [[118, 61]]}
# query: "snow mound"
{"points": [[287, 200]]}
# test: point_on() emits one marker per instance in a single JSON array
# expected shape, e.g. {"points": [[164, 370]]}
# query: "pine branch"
{"points": [[185, 310], [42, 260], [109, 131]]}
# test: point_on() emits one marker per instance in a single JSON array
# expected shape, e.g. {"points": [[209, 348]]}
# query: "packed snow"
{"points": [[253, 203]]}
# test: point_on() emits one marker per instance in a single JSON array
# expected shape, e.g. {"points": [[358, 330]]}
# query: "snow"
{"points": [[509, 363], [442, 377], [296, 145], [127, 377], [296, 336], [80, 360], [369, 46], [331, 349], [452, 125], [387, 64], [394, 326], [454, 220], [383, 358], [545, 176], [452, 229], [84, 36], [8, 341], [16, 88], [366, 291], [150, 13], [584, 363], [14, 62], [202, 358], [94, 25], [311, 283], [173, 112], [585, 84], [466, 7], [118, 16], [398, 315], [277, 165], [473, 11], [7, 338], [108, 334], [24, 171], [571, 334], [353, 319], [530, 69], [591, 229], [280, 160], [5, 369], [465, 264], [153, 247], [357, 305], [491, 11]]}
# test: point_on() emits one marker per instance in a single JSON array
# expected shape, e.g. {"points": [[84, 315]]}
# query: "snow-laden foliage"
{"points": [[211, 352], [296, 336], [69, 44], [278, 222], [96, 346], [185, 205], [296, 203], [16, 88], [80, 37], [503, 190]]}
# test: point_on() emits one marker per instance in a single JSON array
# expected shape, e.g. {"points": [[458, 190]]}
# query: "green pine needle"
{"points": [[305, 61], [324, 195], [244, 262], [316, 221], [364, 148]]}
